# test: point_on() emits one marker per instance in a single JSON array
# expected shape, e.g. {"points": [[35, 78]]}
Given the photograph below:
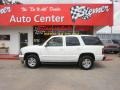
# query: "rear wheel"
{"points": [[86, 62], [32, 61]]}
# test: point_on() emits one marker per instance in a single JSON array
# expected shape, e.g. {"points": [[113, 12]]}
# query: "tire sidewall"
{"points": [[36, 59], [82, 59]]}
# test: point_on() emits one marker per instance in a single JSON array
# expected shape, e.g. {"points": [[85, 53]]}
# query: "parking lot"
{"points": [[104, 76]]}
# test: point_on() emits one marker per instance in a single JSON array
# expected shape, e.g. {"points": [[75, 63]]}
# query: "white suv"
{"points": [[81, 49]]}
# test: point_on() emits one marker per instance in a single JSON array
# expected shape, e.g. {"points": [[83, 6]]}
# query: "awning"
{"points": [[56, 14]]}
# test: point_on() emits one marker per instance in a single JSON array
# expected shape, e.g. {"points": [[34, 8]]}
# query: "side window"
{"points": [[72, 41], [56, 41], [89, 40]]}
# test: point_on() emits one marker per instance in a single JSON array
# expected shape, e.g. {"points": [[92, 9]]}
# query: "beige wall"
{"points": [[14, 43]]}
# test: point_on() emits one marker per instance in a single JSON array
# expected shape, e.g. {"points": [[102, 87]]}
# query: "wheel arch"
{"points": [[30, 53], [87, 54]]}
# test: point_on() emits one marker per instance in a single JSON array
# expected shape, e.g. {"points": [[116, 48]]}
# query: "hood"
{"points": [[31, 48]]}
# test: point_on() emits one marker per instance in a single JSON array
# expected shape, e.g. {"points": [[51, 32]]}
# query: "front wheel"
{"points": [[32, 61], [86, 62]]}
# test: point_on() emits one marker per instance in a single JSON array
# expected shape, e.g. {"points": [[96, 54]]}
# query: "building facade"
{"points": [[21, 31]]}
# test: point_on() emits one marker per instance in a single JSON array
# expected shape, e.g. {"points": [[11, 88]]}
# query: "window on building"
{"points": [[4, 37]]}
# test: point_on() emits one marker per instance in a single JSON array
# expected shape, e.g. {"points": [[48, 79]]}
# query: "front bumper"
{"points": [[21, 58]]}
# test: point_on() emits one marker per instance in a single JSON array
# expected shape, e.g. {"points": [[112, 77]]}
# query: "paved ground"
{"points": [[104, 76]]}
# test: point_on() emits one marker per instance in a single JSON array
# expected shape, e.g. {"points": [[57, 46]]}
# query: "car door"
{"points": [[72, 47], [53, 50]]}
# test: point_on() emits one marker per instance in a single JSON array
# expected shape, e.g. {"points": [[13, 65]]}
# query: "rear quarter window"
{"points": [[89, 40]]}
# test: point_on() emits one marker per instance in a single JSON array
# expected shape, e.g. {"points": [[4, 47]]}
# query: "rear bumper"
{"points": [[100, 57]]}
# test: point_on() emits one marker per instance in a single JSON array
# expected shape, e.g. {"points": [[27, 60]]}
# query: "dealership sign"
{"points": [[58, 14]]}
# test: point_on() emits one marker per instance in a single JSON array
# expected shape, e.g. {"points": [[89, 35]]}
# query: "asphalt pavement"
{"points": [[105, 75]]}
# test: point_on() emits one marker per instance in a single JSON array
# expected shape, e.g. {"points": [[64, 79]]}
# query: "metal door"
{"points": [[23, 39]]}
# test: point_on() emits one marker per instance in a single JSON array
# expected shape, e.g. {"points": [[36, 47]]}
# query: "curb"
{"points": [[8, 57]]}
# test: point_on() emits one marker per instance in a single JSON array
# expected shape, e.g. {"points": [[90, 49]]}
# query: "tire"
{"points": [[86, 62], [32, 61]]}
